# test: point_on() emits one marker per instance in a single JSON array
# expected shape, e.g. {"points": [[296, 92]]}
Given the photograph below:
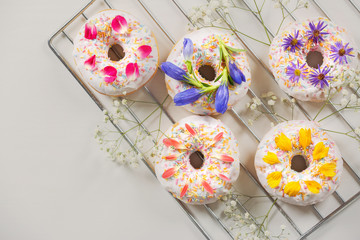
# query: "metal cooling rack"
{"points": [[301, 234]]}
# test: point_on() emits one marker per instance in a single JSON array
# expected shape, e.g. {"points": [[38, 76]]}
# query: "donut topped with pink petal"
{"points": [[197, 159], [115, 53], [309, 58]]}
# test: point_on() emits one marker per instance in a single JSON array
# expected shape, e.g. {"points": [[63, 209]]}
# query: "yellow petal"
{"points": [[292, 189], [328, 169], [273, 179], [305, 137], [271, 158], [283, 142], [320, 151], [313, 186]]}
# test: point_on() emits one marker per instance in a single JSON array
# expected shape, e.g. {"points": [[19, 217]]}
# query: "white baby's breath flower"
{"points": [[247, 215], [345, 92], [206, 20], [233, 203], [252, 227], [105, 112], [267, 233], [343, 102], [253, 106], [283, 227], [257, 100], [272, 124], [271, 102], [214, 4], [353, 98], [116, 103], [251, 122], [357, 130], [124, 101], [106, 118]]}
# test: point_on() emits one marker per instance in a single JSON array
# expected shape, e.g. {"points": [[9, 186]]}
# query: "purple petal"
{"points": [[222, 98], [186, 97]]}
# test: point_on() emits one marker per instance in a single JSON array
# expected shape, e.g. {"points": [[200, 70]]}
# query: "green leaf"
{"points": [[205, 84], [231, 81], [235, 49], [217, 79], [189, 67]]}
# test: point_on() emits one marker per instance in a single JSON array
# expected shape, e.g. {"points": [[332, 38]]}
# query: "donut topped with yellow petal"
{"points": [[308, 58], [298, 162]]}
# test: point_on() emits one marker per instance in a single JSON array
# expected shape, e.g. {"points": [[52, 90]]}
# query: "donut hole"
{"points": [[207, 72], [314, 59], [299, 163], [197, 159], [116, 53]]}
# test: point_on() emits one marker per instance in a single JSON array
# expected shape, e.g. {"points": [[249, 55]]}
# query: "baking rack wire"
{"points": [[323, 219]]}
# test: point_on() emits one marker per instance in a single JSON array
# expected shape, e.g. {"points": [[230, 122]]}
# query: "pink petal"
{"points": [[132, 71], [119, 24], [207, 187], [168, 173], [172, 157], [225, 158], [90, 63], [171, 142], [143, 51], [90, 31], [109, 79], [110, 74], [190, 129], [223, 177], [218, 137], [183, 191]]}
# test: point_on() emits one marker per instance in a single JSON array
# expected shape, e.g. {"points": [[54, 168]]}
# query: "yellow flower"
{"points": [[292, 189], [283, 142], [273, 179], [313, 186], [271, 158], [328, 169], [305, 137], [320, 151]]}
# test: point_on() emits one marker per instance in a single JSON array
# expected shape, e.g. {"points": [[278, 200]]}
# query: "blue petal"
{"points": [[236, 74], [173, 71], [186, 97], [222, 98], [188, 49]]}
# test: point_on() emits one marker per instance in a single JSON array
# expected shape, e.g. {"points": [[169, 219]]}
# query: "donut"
{"points": [[283, 148], [115, 53], [308, 58], [207, 71], [197, 159]]}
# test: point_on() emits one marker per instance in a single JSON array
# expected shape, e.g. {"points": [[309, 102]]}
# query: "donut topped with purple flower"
{"points": [[207, 72], [309, 58], [115, 53]]}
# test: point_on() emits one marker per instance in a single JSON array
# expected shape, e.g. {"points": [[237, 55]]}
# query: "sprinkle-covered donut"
{"points": [[207, 71], [309, 57], [190, 178], [280, 154], [124, 72]]}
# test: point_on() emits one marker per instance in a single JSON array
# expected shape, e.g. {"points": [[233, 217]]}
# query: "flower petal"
{"points": [[110, 74], [235, 73], [172, 157], [90, 31], [132, 71], [222, 98], [90, 62], [169, 142], [273, 179], [183, 191], [313, 186], [168, 173], [292, 189], [188, 49], [186, 97], [143, 51], [173, 71], [328, 169], [190, 129], [304, 137], [109, 79], [320, 151], [283, 142], [119, 24], [271, 158], [207, 187], [223, 177], [224, 158], [218, 137]]}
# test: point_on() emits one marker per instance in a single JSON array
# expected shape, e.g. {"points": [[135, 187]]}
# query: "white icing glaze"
{"points": [[280, 59], [311, 173], [206, 51], [137, 35], [206, 128]]}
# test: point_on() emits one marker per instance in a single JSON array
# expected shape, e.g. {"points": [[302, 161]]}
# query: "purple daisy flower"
{"points": [[318, 76], [295, 72], [339, 52], [292, 42], [315, 33]]}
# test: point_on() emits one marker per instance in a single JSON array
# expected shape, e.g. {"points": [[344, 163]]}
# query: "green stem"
{"points": [[266, 216], [262, 21]]}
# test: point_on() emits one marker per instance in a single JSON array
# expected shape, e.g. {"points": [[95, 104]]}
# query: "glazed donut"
{"points": [[275, 162], [207, 56], [124, 74], [308, 57], [191, 179]]}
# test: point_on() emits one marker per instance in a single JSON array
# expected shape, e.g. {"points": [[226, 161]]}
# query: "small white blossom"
{"points": [[257, 100], [267, 233], [116, 103], [106, 118], [251, 122], [124, 101], [247, 215], [207, 20], [252, 227], [357, 130], [253, 106], [272, 124], [105, 112], [343, 102], [345, 92], [353, 98], [283, 227], [271, 102], [233, 203], [124, 93]]}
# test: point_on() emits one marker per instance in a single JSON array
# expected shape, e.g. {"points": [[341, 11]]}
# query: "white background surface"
{"points": [[55, 183]]}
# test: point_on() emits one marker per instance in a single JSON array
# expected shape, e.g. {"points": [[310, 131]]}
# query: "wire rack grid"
{"points": [[343, 203]]}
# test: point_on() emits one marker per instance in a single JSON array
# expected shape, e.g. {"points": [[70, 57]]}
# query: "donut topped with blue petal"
{"points": [[207, 72], [309, 58]]}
